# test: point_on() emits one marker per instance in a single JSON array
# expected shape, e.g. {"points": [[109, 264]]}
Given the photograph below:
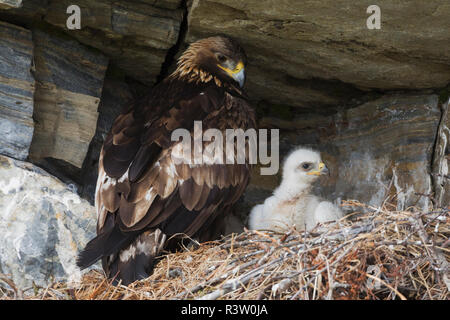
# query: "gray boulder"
{"points": [[43, 224]]}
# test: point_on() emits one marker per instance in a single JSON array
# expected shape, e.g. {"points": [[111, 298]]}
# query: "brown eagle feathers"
{"points": [[143, 197]]}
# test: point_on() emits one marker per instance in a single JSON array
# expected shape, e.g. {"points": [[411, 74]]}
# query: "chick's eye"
{"points": [[305, 166]]}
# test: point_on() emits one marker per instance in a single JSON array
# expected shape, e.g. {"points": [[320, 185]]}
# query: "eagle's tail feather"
{"points": [[137, 268], [106, 243], [137, 260]]}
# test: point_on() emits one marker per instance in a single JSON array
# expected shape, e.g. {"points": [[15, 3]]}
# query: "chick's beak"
{"points": [[323, 169]]}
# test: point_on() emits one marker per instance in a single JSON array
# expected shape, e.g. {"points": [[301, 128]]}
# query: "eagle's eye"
{"points": [[221, 58]]}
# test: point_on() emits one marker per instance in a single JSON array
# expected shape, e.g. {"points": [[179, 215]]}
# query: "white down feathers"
{"points": [[291, 203]]}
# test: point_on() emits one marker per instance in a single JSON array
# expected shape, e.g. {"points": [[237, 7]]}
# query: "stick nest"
{"points": [[379, 254]]}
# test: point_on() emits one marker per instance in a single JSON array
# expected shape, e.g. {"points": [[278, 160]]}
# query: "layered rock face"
{"points": [[69, 85], [383, 148], [380, 150], [310, 52], [136, 35], [9, 4], [16, 91], [374, 102], [441, 158]]}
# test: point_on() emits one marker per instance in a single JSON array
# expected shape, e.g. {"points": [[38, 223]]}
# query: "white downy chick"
{"points": [[292, 203]]}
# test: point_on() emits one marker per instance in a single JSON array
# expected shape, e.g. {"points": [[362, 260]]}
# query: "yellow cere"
{"points": [[238, 68], [317, 172]]}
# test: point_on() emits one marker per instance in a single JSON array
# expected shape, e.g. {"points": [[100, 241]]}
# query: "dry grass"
{"points": [[379, 254]]}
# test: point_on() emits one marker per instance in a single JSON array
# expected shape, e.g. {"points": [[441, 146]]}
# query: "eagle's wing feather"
{"points": [[140, 178], [141, 187]]}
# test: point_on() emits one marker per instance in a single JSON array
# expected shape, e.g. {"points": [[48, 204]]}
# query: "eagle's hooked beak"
{"points": [[238, 73], [322, 170]]}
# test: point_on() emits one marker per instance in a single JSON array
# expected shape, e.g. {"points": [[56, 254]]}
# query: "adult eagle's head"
{"points": [[216, 58]]}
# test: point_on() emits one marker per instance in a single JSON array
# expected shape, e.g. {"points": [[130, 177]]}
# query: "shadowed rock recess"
{"points": [[374, 102]]}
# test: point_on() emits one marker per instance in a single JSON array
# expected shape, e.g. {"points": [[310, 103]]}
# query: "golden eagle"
{"points": [[143, 197]]}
